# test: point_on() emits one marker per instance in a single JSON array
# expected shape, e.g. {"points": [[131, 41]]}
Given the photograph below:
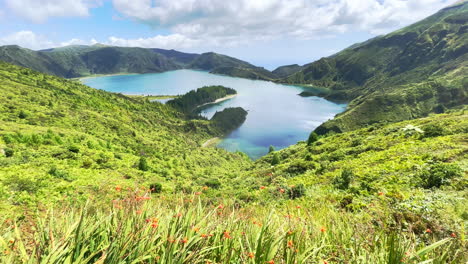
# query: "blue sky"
{"points": [[267, 33]]}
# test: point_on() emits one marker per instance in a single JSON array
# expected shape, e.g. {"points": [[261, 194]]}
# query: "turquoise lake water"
{"points": [[277, 115]]}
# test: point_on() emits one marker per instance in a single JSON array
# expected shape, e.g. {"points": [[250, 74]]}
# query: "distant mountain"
{"points": [[406, 74], [285, 71], [80, 60]]}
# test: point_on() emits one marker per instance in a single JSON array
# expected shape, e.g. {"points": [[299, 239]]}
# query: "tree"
{"points": [[143, 164], [344, 179], [271, 149], [312, 138], [275, 159]]}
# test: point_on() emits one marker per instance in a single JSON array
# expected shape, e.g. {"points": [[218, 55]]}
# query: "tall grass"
{"points": [[189, 229]]}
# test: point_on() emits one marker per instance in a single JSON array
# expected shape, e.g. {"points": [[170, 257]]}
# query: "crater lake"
{"points": [[277, 115]]}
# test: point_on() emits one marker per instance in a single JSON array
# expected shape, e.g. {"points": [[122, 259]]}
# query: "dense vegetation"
{"points": [[409, 73], [188, 102], [79, 60], [88, 176], [229, 119], [385, 193]]}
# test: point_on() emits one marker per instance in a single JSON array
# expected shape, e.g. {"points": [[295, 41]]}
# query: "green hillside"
{"points": [[79, 60], [133, 178], [407, 74], [60, 138]]}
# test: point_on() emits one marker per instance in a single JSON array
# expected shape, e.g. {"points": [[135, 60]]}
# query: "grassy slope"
{"points": [[406, 74], [64, 143], [92, 138]]}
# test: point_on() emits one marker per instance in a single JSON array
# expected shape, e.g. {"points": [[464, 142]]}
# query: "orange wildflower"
{"points": [[428, 230], [270, 262], [227, 235], [205, 188], [262, 187], [323, 229], [196, 229], [453, 235], [204, 235], [281, 190], [184, 240], [198, 193], [118, 188], [380, 193], [298, 206], [251, 255], [290, 244], [220, 206]]}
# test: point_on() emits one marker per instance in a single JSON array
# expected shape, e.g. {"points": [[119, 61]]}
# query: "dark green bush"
{"points": [[9, 152], [313, 137], [438, 174], [74, 149], [271, 149], [433, 130], [59, 174], [156, 187], [213, 183], [343, 181], [22, 115], [297, 191], [275, 159], [143, 164]]}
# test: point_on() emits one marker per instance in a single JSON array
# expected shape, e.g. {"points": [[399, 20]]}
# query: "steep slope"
{"points": [[59, 137], [285, 71], [431, 53], [79, 60]]}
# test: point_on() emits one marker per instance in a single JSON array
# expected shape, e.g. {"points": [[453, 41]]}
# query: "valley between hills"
{"points": [[89, 176]]}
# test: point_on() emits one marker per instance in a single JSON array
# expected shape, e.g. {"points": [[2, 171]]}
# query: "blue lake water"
{"points": [[277, 115]]}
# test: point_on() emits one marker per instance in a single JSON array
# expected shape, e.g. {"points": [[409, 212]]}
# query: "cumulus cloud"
{"points": [[235, 21], [27, 39], [174, 41], [39, 11]]}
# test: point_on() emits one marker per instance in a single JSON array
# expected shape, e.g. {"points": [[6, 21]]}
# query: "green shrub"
{"points": [[275, 159], [313, 137], [433, 130], [156, 187], [271, 149], [143, 164], [9, 152], [213, 183], [438, 174], [22, 114], [59, 174], [343, 181], [74, 149], [297, 191]]}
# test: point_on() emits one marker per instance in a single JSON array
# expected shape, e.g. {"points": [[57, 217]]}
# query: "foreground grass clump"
{"points": [[136, 227]]}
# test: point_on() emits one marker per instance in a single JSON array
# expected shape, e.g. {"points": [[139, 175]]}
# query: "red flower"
{"points": [[227, 235], [220, 206], [281, 190], [290, 244], [262, 187], [453, 235], [428, 230], [184, 241], [298, 206], [271, 262], [198, 193], [380, 193], [323, 229], [118, 188], [251, 255]]}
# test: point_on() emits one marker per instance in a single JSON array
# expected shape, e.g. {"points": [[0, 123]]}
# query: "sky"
{"points": [[267, 33]]}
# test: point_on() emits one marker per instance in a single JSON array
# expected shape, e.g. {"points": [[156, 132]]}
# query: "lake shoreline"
{"points": [[219, 100]]}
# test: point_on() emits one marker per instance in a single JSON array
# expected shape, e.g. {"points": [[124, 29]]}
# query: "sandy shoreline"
{"points": [[219, 100], [102, 75]]}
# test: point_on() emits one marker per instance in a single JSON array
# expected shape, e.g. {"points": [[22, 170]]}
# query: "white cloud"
{"points": [[39, 11], [31, 40], [26, 39], [237, 21], [174, 41]]}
